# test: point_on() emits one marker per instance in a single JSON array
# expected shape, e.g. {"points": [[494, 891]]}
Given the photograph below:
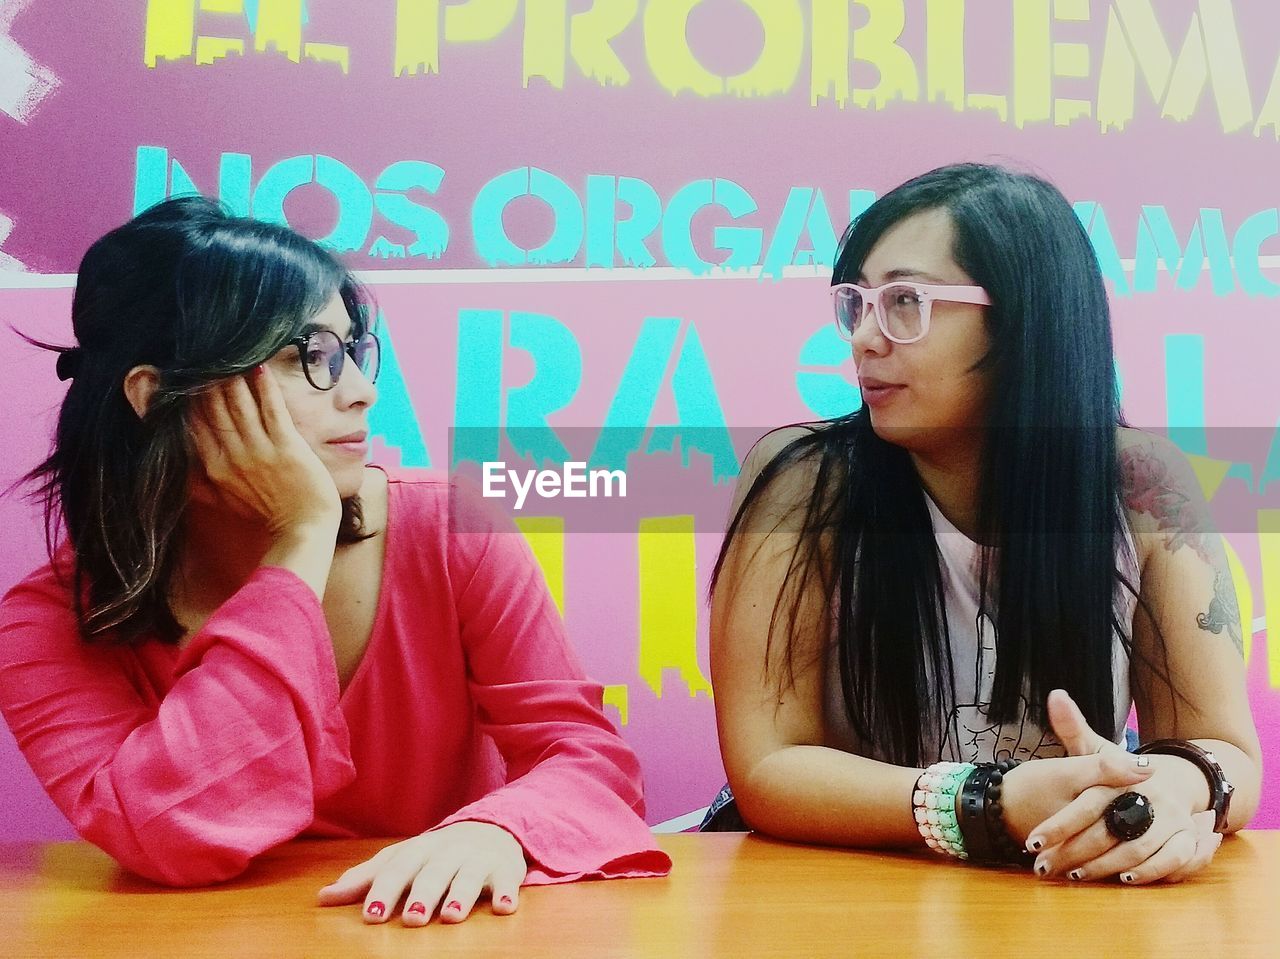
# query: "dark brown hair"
{"points": [[202, 295]]}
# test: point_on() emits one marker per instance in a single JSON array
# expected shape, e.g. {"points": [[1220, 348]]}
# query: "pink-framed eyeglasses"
{"points": [[902, 309]]}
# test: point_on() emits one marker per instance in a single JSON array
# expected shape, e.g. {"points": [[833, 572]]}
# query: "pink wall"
{"points": [[80, 151]]}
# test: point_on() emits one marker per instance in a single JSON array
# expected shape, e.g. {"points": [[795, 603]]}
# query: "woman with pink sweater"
{"points": [[250, 635]]}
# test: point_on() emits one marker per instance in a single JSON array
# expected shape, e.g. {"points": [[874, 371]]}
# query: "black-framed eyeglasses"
{"points": [[323, 354]]}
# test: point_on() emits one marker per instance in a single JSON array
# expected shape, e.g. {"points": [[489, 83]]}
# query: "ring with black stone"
{"points": [[1129, 816]]}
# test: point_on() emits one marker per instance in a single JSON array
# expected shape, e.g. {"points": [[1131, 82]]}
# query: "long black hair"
{"points": [[202, 295], [1048, 502]]}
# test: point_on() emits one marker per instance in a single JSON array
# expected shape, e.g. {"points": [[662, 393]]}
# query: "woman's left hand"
{"points": [[1074, 842], [453, 865]]}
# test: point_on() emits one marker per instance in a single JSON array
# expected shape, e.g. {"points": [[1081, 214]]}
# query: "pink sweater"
{"points": [[469, 704]]}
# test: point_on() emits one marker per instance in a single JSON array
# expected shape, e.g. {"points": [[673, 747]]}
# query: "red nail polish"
{"points": [[454, 906], [416, 909], [376, 909], [505, 900]]}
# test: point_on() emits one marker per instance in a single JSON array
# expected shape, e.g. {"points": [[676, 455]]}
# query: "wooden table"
{"points": [[729, 895]]}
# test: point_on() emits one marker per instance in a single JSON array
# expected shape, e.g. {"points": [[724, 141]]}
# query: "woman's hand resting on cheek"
{"points": [[255, 462], [453, 866], [257, 466]]}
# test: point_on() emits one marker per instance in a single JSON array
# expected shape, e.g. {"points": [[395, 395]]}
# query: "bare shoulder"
{"points": [[1162, 496], [1130, 440], [768, 447], [795, 481]]}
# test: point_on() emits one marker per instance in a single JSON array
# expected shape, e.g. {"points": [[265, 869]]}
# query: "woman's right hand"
{"points": [[1039, 788], [257, 463]]}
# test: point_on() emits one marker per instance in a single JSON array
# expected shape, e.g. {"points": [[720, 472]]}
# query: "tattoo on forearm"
{"points": [[1148, 488], [1224, 611]]}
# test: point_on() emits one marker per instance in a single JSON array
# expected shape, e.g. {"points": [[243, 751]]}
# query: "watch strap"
{"points": [[1220, 789]]}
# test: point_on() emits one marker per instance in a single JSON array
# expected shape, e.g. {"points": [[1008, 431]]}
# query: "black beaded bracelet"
{"points": [[1004, 846], [980, 817]]}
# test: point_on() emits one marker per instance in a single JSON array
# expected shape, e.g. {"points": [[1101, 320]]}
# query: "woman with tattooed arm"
{"points": [[932, 617]]}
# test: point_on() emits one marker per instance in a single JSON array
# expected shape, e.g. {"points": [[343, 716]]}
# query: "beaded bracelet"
{"points": [[1005, 847], [985, 833], [933, 804]]}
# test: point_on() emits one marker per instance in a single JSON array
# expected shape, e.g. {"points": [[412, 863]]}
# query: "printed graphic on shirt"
{"points": [[971, 736]]}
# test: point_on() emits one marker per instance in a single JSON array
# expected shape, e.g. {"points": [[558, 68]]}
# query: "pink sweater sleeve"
{"points": [[228, 764], [574, 795]]}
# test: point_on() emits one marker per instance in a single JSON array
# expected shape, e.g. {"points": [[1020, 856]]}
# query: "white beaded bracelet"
{"points": [[933, 803]]}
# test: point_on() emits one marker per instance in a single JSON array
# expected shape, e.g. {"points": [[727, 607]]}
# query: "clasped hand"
{"points": [[1074, 841]]}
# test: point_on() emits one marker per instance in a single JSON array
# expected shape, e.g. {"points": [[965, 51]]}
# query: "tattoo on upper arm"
{"points": [[1224, 611], [1149, 487]]}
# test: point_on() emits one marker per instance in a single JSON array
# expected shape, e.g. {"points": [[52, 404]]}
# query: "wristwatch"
{"points": [[1220, 789]]}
